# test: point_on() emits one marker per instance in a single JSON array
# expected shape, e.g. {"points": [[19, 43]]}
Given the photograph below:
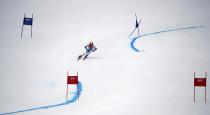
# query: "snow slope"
{"points": [[116, 79]]}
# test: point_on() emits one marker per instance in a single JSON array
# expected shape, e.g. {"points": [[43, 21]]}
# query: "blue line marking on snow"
{"points": [[73, 99], [154, 33]]}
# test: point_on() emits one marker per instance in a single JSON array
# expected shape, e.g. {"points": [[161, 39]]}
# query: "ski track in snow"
{"points": [[159, 32], [73, 99]]}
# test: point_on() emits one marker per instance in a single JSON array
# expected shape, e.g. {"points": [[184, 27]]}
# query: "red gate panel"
{"points": [[200, 82], [72, 79]]}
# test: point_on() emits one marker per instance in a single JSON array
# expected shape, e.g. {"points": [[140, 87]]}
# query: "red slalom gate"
{"points": [[200, 82], [71, 80]]}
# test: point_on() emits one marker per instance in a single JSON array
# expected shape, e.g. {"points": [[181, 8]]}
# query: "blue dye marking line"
{"points": [[73, 99], [154, 33]]}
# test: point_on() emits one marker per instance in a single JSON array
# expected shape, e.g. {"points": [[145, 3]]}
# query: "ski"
{"points": [[83, 57], [79, 57]]}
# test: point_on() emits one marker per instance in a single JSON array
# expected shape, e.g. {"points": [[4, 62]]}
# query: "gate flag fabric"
{"points": [[27, 21], [72, 79], [200, 82]]}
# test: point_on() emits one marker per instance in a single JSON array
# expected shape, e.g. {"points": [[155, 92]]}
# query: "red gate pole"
{"points": [[77, 88], [67, 86], [205, 94], [194, 87], [206, 85], [67, 92]]}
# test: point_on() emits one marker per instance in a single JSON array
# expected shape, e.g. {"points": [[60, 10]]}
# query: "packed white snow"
{"points": [[116, 80]]}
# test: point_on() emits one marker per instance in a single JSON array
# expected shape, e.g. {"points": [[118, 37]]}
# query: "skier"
{"points": [[89, 49]]}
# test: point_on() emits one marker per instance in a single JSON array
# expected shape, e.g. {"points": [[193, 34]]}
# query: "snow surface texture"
{"points": [[116, 79]]}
